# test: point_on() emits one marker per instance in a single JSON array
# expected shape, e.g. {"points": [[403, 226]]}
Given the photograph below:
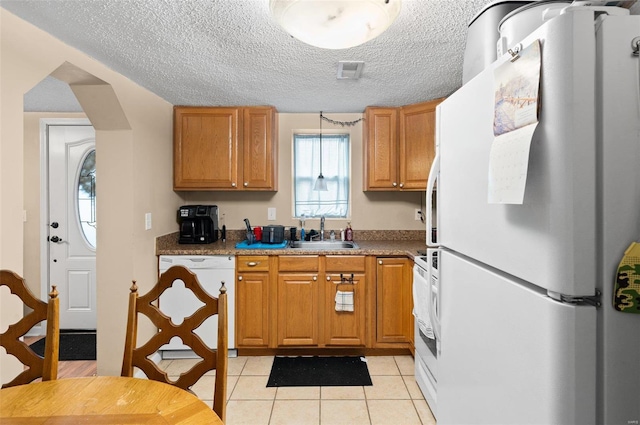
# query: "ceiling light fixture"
{"points": [[320, 185], [335, 24]]}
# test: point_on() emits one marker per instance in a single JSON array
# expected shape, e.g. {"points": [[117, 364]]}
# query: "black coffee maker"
{"points": [[198, 223]]}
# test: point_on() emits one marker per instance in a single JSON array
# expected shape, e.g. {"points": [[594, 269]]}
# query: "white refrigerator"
{"points": [[521, 341]]}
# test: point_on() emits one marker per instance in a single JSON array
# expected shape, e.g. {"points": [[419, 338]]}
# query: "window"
{"points": [[335, 169], [86, 198]]}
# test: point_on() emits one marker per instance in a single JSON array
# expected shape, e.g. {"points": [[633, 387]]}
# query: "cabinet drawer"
{"points": [[298, 263], [253, 263], [345, 263]]}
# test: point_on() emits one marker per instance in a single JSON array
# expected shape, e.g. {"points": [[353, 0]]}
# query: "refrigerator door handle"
{"points": [[433, 176], [434, 290]]}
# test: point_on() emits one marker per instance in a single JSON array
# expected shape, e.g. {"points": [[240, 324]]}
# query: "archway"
{"points": [[98, 102]]}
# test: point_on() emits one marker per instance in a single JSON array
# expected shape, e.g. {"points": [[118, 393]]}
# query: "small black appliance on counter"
{"points": [[198, 223], [273, 234]]}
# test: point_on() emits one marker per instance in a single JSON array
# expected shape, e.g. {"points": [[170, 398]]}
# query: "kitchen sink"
{"points": [[324, 245]]}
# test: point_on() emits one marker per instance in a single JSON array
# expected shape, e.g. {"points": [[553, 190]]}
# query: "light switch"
{"points": [[271, 214], [147, 221]]}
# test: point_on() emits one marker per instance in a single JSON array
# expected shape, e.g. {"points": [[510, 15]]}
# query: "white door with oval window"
{"points": [[72, 222]]}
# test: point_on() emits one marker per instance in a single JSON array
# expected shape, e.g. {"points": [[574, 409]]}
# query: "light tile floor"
{"points": [[393, 399]]}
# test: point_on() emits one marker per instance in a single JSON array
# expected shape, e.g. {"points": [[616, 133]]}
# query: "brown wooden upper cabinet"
{"points": [[219, 148], [399, 146]]}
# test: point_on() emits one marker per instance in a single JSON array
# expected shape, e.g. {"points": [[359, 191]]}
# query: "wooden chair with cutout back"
{"points": [[210, 359], [35, 366]]}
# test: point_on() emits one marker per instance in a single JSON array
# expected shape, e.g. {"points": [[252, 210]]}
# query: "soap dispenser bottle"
{"points": [[302, 228], [348, 233]]}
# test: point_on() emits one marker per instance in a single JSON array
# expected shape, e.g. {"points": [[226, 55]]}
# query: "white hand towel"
{"points": [[421, 307], [344, 301]]}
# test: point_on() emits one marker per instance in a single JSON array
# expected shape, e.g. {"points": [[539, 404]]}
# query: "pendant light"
{"points": [[320, 185], [335, 24]]}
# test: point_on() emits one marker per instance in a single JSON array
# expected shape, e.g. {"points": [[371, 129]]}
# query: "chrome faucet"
{"points": [[322, 227]]}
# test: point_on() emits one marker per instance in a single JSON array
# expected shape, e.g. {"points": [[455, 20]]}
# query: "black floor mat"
{"points": [[76, 345], [318, 371]]}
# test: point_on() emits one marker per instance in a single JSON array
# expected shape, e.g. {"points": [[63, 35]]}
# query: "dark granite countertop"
{"points": [[378, 243]]}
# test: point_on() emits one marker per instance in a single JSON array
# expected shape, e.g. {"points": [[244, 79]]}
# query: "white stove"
{"points": [[421, 260], [427, 345]]}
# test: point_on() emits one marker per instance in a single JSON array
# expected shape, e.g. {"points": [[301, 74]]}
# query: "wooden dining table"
{"points": [[102, 400]]}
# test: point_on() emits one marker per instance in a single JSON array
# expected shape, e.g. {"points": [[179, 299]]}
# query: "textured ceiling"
{"points": [[231, 52]]}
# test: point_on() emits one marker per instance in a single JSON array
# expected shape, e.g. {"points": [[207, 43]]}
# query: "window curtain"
{"points": [[335, 169]]}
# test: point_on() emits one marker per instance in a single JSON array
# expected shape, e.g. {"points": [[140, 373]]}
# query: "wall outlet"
{"points": [[147, 221], [417, 215], [271, 214]]}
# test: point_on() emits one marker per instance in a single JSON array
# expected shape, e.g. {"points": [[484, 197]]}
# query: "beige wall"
{"points": [[135, 169], [369, 210], [11, 199], [134, 165]]}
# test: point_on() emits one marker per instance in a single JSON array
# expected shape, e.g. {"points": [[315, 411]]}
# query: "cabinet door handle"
{"points": [[401, 184], [315, 278], [246, 184], [239, 277], [329, 278], [233, 185], [253, 263], [394, 184], [379, 261]]}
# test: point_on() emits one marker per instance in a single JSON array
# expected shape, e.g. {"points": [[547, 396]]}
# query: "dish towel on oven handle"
{"points": [[344, 301], [421, 307]]}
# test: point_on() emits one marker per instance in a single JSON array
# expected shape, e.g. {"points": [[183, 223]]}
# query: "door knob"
{"points": [[54, 224], [55, 239]]}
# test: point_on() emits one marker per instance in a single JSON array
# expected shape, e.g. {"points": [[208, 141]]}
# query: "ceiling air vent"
{"points": [[350, 70]]}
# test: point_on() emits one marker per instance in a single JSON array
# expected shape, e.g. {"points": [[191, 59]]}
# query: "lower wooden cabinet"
{"points": [[290, 301], [252, 301], [298, 300], [345, 328], [297, 309], [307, 313], [347, 274], [394, 301]]}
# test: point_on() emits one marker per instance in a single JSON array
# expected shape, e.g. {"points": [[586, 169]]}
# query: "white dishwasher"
{"points": [[178, 303]]}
